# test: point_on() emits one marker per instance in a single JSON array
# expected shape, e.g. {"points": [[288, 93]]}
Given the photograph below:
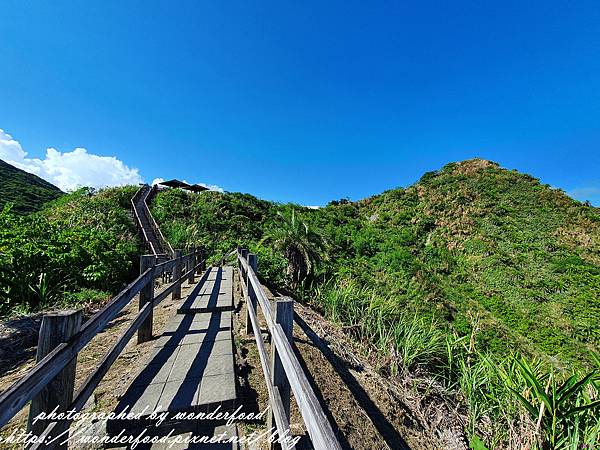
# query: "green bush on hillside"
{"points": [[81, 241], [452, 275]]}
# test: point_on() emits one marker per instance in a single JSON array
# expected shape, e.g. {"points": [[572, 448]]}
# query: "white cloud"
{"points": [[585, 193], [157, 181], [212, 187], [69, 170]]}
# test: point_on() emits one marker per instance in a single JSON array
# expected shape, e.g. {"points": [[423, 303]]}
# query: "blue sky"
{"points": [[303, 101]]}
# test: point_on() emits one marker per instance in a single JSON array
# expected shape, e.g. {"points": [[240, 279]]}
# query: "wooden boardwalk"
{"points": [[191, 367]]}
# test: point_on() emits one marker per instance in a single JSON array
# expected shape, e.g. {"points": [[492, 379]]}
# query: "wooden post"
{"points": [[244, 253], [239, 252], [200, 261], [284, 316], [192, 265], [252, 262], [177, 275], [56, 328], [146, 295]]}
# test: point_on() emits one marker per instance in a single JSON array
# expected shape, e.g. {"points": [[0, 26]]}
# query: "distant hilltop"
{"points": [[26, 191]]}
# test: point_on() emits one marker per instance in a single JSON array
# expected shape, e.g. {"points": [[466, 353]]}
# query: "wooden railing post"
{"points": [[177, 275], [252, 262], [239, 252], [283, 312], [56, 328], [146, 295], [192, 265], [244, 253], [198, 261]]}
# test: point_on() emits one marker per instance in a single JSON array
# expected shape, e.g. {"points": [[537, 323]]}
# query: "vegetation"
{"points": [[476, 277], [298, 243], [25, 191], [79, 249], [467, 276]]}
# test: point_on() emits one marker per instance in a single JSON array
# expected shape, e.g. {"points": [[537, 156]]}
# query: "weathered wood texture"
{"points": [[95, 377], [21, 392], [277, 409], [177, 275], [191, 264], [57, 328], [253, 263], [317, 425], [146, 296], [284, 316], [32, 383]]}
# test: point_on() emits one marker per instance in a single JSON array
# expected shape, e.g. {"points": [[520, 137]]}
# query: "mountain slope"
{"points": [[499, 251], [441, 284], [472, 245], [27, 192], [77, 250]]}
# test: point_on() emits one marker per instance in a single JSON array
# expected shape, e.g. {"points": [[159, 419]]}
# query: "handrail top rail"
{"points": [[314, 418], [143, 193], [29, 385], [154, 224], [137, 216]]}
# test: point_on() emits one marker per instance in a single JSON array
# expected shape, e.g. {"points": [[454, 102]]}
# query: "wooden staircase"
{"points": [[148, 228]]}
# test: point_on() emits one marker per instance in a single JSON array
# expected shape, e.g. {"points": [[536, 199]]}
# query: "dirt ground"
{"points": [[366, 410], [20, 338]]}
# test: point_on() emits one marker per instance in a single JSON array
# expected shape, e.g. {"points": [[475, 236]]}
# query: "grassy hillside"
{"points": [[471, 244], [454, 275], [27, 192], [79, 249], [477, 282], [496, 248]]}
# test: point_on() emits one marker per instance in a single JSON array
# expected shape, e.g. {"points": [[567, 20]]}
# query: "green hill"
{"points": [[444, 283], [78, 249], [27, 192], [476, 278], [471, 245]]}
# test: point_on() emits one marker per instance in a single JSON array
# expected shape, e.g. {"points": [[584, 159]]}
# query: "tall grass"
{"points": [[411, 340], [511, 403]]}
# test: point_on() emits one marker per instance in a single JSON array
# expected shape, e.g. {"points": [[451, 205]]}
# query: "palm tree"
{"points": [[300, 245]]}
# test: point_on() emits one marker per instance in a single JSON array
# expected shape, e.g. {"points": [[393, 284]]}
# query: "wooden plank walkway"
{"points": [[191, 367], [216, 294]]}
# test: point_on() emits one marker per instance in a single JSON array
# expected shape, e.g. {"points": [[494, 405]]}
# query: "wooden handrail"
{"points": [[274, 396], [25, 389], [92, 381], [139, 221], [317, 425], [144, 193], [13, 399], [153, 223], [17, 396]]}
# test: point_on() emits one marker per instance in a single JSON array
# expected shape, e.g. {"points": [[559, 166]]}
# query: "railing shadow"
{"points": [[339, 434], [188, 304], [187, 387], [387, 431]]}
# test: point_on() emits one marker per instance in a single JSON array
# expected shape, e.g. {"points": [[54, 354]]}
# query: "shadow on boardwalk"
{"points": [[175, 378]]}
